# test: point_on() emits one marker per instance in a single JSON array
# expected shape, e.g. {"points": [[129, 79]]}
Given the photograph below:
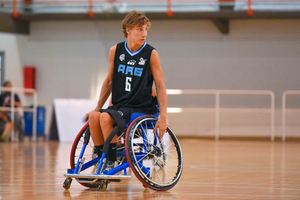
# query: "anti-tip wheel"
{"points": [[67, 183], [103, 185]]}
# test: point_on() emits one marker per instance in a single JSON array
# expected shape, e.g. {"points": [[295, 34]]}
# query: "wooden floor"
{"points": [[212, 170]]}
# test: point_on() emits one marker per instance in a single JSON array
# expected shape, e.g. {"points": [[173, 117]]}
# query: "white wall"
{"points": [[71, 56], [15, 49]]}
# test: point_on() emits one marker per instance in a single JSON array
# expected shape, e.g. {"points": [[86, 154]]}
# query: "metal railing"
{"points": [[218, 93], [13, 109], [284, 95]]}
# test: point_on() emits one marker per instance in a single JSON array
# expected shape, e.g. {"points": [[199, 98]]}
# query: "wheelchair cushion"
{"points": [[136, 115]]}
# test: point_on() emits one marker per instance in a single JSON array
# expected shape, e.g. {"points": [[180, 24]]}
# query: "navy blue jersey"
{"points": [[6, 97], [132, 79]]}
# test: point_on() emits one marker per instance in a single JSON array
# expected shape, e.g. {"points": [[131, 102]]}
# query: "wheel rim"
{"points": [[157, 165]]}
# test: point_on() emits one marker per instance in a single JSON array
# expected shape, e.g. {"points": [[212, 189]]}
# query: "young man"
{"points": [[5, 116], [133, 67], [5, 98]]}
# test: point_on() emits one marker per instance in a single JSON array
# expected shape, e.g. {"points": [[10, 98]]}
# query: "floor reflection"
{"points": [[212, 170]]}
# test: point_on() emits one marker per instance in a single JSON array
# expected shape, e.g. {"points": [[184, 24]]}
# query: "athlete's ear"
{"points": [[127, 30]]}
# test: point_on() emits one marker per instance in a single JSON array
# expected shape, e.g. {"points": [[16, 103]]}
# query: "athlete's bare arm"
{"points": [[107, 84], [161, 93]]}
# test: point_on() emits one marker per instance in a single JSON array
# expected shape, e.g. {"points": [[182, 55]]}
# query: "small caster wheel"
{"points": [[103, 185], [145, 186], [67, 183]]}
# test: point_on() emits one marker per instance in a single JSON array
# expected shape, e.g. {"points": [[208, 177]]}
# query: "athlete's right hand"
{"points": [[87, 116]]}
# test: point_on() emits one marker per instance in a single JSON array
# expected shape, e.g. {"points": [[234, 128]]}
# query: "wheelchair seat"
{"points": [[136, 115]]}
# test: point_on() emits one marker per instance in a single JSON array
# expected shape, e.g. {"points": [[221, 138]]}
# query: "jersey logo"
{"points": [[142, 61], [120, 112], [131, 62], [122, 57], [128, 70]]}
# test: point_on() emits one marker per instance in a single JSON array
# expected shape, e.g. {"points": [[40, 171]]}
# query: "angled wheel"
{"points": [[157, 164], [87, 156]]}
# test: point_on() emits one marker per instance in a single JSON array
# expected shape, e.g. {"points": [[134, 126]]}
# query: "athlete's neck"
{"points": [[133, 47]]}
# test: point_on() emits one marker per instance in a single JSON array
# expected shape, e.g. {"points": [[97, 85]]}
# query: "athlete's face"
{"points": [[138, 34]]}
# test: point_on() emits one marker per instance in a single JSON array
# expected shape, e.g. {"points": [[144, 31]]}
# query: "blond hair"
{"points": [[134, 18]]}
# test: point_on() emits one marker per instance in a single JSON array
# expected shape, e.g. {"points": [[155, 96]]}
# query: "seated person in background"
{"points": [[5, 97], [5, 101]]}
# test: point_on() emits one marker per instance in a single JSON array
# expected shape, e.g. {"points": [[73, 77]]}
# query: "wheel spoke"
{"points": [[146, 155], [157, 163]]}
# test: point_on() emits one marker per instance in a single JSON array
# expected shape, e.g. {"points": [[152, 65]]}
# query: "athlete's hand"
{"points": [[161, 125], [87, 116]]}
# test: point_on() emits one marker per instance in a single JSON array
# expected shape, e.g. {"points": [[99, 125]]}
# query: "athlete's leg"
{"points": [[95, 129], [107, 125], [96, 132]]}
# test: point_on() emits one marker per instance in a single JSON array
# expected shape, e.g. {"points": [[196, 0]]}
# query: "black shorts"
{"points": [[124, 113]]}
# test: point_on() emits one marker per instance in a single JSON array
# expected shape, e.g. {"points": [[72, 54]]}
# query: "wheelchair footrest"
{"points": [[94, 176]]}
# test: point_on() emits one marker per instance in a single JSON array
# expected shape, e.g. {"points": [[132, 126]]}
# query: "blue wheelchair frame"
{"points": [[108, 175]]}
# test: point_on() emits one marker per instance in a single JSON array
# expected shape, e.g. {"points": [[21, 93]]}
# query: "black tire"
{"points": [[158, 165]]}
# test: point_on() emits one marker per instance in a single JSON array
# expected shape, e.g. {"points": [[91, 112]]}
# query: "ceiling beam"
{"points": [[9, 25], [222, 24], [21, 24]]}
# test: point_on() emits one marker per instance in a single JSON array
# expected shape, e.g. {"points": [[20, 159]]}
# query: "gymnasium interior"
{"points": [[231, 69]]}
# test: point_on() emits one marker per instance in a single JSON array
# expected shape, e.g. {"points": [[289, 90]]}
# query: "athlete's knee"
{"points": [[105, 119], [94, 117]]}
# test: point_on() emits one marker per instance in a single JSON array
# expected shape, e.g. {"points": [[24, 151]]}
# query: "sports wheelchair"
{"points": [[156, 164]]}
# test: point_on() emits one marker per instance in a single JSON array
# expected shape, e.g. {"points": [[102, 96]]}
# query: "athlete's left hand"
{"points": [[161, 125]]}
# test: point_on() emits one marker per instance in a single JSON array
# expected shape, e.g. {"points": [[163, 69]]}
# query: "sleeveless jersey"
{"points": [[132, 79]]}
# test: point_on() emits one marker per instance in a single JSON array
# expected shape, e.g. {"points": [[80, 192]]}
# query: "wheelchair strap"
{"points": [[110, 137], [87, 135], [116, 116], [119, 127]]}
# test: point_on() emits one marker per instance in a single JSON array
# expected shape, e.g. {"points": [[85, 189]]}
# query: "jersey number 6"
{"points": [[128, 84]]}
